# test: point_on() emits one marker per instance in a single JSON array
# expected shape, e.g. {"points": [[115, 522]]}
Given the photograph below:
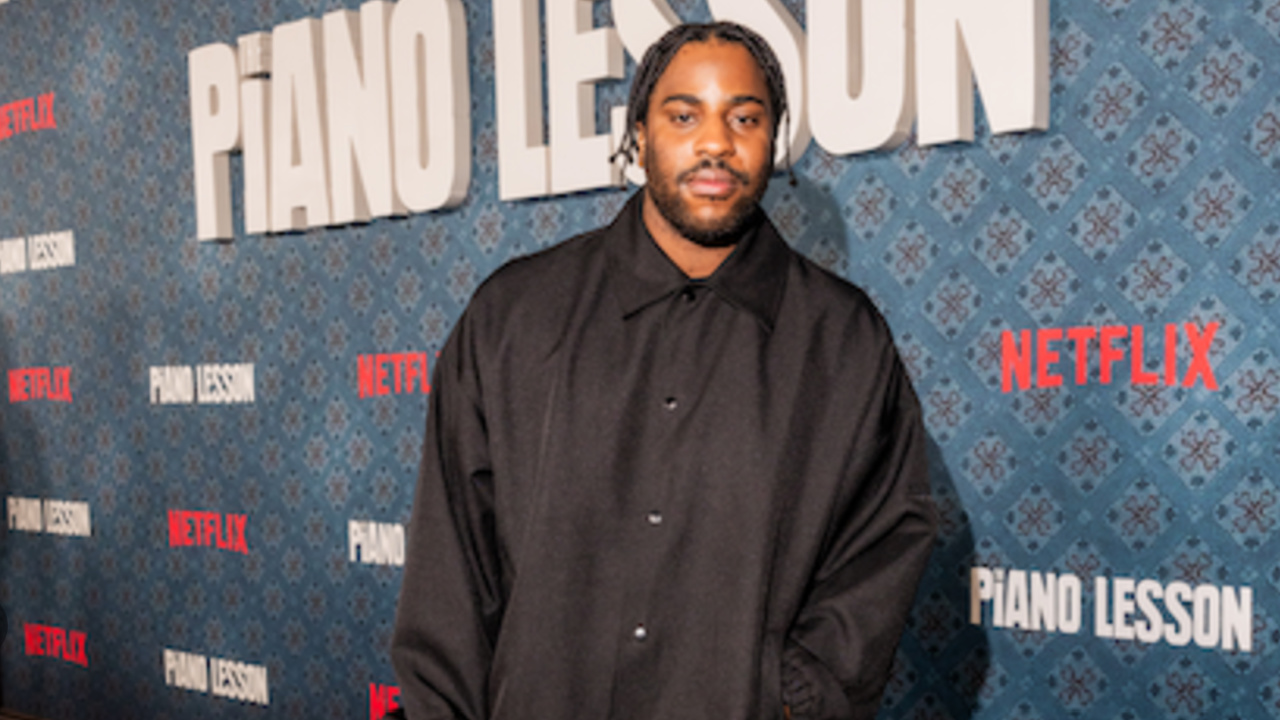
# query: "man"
{"points": [[672, 469]]}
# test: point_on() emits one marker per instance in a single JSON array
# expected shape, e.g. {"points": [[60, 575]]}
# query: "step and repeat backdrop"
{"points": [[234, 235]]}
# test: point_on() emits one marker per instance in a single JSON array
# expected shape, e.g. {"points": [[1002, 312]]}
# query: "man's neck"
{"points": [[696, 261]]}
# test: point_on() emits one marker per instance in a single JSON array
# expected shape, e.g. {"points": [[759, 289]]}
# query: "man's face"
{"points": [[706, 144]]}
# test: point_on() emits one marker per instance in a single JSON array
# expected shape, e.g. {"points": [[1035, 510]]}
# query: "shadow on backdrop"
{"points": [[6, 471], [21, 474], [943, 661]]}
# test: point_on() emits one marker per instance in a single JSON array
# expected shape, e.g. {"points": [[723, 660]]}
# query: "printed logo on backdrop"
{"points": [[339, 120], [393, 374], [27, 115], [56, 642], [1176, 613], [52, 517], [220, 677], [38, 252], [216, 384], [1082, 349], [382, 700], [40, 383], [375, 543], [197, 528]]}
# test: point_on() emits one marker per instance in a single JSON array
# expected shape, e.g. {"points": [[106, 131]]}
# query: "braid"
{"points": [[659, 55]]}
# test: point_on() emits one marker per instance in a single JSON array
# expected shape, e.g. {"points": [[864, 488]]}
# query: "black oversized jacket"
{"points": [[646, 497]]}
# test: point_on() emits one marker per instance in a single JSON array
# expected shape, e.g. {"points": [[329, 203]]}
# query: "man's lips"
{"points": [[712, 183]]}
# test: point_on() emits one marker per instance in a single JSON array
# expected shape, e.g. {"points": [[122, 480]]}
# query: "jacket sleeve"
{"points": [[839, 650], [450, 600]]}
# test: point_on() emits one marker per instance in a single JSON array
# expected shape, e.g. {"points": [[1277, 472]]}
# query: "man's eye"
{"points": [[682, 118], [747, 120]]}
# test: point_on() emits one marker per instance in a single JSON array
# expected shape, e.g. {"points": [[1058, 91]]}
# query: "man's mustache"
{"points": [[714, 164]]}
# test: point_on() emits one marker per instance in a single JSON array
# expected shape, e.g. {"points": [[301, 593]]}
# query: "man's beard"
{"points": [[665, 193]]}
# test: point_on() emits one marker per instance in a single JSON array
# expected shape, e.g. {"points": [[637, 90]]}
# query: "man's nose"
{"points": [[715, 138]]}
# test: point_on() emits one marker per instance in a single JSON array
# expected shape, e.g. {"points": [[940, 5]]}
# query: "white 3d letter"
{"points": [[214, 91], [255, 114], [355, 57], [775, 24], [640, 24], [861, 95], [522, 156], [1005, 43], [430, 103], [299, 172], [577, 57]]}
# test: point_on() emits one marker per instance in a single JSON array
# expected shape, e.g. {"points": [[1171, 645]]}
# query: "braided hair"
{"points": [[658, 57]]}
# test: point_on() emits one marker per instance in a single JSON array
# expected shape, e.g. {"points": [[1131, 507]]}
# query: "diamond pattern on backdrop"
{"points": [[1149, 202]]}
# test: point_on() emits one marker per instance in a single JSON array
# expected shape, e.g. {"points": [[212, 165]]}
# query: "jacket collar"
{"points": [[752, 278]]}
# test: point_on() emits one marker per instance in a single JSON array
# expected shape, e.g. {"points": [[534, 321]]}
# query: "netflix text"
{"points": [[27, 115], [1183, 356], [55, 642], [196, 528], [40, 383], [393, 373], [382, 700]]}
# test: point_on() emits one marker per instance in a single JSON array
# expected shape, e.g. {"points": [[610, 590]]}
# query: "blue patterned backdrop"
{"points": [[1151, 200]]}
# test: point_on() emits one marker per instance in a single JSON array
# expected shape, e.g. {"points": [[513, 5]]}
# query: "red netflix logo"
{"points": [[40, 384], [393, 373], [54, 642], [27, 115], [382, 700], [1018, 353], [207, 529]]}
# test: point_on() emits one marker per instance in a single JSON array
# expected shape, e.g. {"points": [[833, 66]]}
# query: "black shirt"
{"points": [[648, 498]]}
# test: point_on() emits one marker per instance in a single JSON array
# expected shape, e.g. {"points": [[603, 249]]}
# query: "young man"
{"points": [[672, 469]]}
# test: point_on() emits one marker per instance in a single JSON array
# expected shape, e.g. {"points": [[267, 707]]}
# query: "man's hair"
{"points": [[659, 55]]}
